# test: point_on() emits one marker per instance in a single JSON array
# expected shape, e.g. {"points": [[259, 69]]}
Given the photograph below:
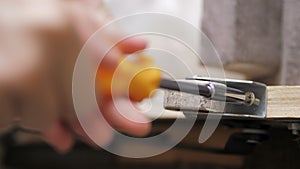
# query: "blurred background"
{"points": [[256, 40]]}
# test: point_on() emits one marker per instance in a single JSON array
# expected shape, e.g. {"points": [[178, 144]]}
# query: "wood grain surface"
{"points": [[283, 102]]}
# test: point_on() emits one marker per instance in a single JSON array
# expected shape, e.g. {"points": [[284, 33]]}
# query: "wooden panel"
{"points": [[283, 102]]}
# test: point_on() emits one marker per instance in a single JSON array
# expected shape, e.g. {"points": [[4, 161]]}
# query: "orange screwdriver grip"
{"points": [[136, 78]]}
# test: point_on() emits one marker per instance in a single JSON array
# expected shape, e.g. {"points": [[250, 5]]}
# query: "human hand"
{"points": [[50, 35]]}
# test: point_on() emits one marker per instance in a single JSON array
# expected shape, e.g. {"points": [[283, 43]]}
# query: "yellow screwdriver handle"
{"points": [[137, 78]]}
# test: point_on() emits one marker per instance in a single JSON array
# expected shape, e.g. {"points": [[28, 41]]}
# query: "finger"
{"points": [[132, 45], [127, 46], [93, 130], [111, 59], [85, 20], [130, 121], [59, 137], [97, 46]]}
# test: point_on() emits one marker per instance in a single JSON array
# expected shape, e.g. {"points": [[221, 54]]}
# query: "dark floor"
{"points": [[280, 151]]}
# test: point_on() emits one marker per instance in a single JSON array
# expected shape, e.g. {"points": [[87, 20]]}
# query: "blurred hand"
{"points": [[40, 41]]}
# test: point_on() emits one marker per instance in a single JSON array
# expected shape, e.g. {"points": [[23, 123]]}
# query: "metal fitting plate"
{"points": [[200, 105]]}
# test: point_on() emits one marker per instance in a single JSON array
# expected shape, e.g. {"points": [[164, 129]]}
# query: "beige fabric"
{"points": [[246, 33], [290, 62]]}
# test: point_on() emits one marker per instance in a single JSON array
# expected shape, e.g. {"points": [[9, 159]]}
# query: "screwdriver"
{"points": [[139, 78]]}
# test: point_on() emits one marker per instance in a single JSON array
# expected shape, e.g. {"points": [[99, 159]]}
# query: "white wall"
{"points": [[190, 11]]}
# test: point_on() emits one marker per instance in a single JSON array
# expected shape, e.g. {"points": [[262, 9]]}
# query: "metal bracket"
{"points": [[187, 103]]}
